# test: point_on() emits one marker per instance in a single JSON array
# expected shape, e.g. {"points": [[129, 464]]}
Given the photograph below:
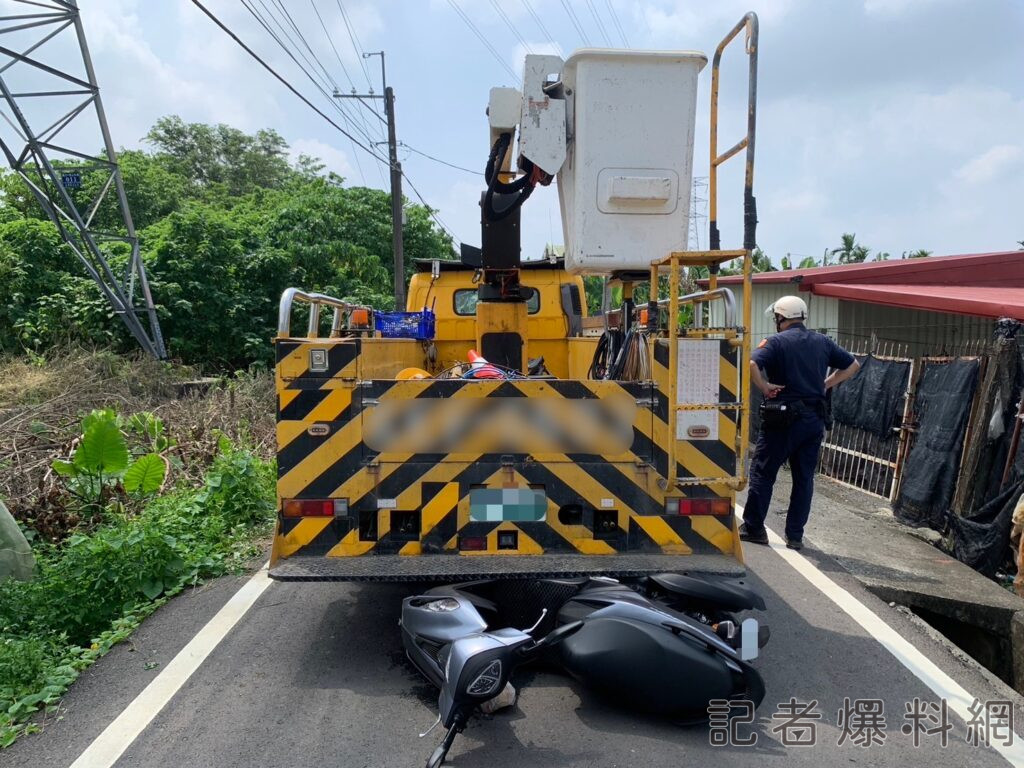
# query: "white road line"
{"points": [[119, 735], [921, 666]]}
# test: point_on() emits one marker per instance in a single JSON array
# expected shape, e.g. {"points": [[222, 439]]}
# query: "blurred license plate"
{"points": [[494, 505]]}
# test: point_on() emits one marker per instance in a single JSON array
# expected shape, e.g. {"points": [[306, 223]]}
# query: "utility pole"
{"points": [[397, 241]]}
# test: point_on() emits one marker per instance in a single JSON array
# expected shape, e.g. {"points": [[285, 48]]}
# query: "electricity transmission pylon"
{"points": [[50, 104]]}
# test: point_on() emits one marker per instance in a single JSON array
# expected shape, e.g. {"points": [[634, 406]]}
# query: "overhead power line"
{"points": [[600, 24], [431, 211], [355, 43], [540, 24], [484, 40], [282, 80], [442, 162], [348, 77], [320, 84], [511, 26], [330, 40], [617, 23], [575, 22], [224, 28]]}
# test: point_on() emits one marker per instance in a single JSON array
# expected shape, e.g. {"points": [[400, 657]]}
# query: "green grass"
{"points": [[94, 590]]}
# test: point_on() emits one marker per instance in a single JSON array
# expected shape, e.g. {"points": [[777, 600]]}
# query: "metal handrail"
{"points": [[748, 22], [725, 294], [315, 301]]}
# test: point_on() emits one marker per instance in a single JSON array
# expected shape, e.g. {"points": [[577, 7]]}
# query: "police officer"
{"points": [[794, 362]]}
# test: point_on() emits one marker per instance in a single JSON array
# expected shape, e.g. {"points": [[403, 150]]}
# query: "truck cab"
{"points": [[554, 312]]}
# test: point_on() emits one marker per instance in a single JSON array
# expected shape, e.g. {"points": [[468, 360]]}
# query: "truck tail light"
{"points": [[473, 543], [315, 507], [690, 507]]}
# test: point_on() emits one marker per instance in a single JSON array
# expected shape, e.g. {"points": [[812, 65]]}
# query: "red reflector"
{"points": [[721, 507], [473, 543], [309, 508], [718, 507]]}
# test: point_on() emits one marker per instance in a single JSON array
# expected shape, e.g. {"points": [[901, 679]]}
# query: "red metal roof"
{"points": [[982, 301], [982, 284]]}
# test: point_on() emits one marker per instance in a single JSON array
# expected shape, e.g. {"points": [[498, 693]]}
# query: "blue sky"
{"points": [[899, 120]]}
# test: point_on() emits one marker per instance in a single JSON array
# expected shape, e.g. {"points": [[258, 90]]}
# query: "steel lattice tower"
{"points": [[52, 109]]}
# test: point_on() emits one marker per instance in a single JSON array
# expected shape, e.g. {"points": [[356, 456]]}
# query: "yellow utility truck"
{"points": [[487, 430]]}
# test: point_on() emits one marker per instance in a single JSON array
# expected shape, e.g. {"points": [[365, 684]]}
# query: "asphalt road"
{"points": [[313, 675]]}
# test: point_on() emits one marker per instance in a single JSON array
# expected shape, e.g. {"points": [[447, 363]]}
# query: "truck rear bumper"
{"points": [[461, 567]]}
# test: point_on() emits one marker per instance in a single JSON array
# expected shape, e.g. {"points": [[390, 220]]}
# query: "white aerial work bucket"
{"points": [[624, 189]]}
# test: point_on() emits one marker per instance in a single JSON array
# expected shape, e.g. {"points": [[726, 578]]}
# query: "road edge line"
{"points": [[107, 748], [924, 669]]}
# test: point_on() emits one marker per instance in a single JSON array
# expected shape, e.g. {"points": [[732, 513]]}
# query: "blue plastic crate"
{"points": [[405, 325]]}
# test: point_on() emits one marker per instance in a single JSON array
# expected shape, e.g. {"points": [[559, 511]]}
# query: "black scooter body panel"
{"points": [[647, 668], [720, 594]]}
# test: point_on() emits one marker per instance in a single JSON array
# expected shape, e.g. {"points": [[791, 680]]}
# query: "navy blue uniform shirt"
{"points": [[799, 359]]}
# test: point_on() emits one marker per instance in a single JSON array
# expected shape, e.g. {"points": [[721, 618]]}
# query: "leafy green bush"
{"points": [[95, 589], [225, 225]]}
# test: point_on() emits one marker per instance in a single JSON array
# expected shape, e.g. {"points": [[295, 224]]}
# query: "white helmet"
{"points": [[788, 308]]}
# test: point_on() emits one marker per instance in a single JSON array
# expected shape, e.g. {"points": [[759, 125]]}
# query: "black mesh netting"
{"points": [[941, 410], [982, 539], [873, 399]]}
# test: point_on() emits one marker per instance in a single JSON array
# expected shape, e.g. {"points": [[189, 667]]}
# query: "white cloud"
{"points": [[896, 7], [335, 159], [996, 161], [672, 22]]}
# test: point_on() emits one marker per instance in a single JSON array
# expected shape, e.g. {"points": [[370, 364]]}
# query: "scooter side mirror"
{"points": [[477, 669]]}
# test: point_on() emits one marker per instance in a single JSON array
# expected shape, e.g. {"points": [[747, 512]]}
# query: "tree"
{"points": [[920, 253], [211, 155], [759, 262], [850, 252], [225, 225], [881, 256]]}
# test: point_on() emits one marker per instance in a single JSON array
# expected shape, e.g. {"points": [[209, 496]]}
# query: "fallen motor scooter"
{"points": [[666, 644]]}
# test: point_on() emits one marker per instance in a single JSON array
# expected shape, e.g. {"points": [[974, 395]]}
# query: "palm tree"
{"points": [[920, 253], [850, 252], [881, 256]]}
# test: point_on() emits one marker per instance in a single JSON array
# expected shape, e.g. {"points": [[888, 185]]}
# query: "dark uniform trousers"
{"points": [[799, 443]]}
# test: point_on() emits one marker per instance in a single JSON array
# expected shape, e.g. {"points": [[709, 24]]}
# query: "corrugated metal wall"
{"points": [[853, 323], [823, 310], [924, 333]]}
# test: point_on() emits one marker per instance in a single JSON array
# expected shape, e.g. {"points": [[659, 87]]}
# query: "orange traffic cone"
{"points": [[481, 369]]}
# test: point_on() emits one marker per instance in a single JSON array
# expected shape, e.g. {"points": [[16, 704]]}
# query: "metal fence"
{"points": [[855, 457], [860, 459]]}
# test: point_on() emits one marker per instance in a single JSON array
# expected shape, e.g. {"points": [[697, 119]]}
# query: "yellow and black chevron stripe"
{"points": [[700, 460], [418, 504]]}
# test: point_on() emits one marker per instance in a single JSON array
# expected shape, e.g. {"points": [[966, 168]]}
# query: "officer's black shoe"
{"points": [[796, 544], [754, 537]]}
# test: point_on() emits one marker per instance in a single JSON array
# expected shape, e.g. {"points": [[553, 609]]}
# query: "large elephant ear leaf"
{"points": [[146, 474], [102, 450]]}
